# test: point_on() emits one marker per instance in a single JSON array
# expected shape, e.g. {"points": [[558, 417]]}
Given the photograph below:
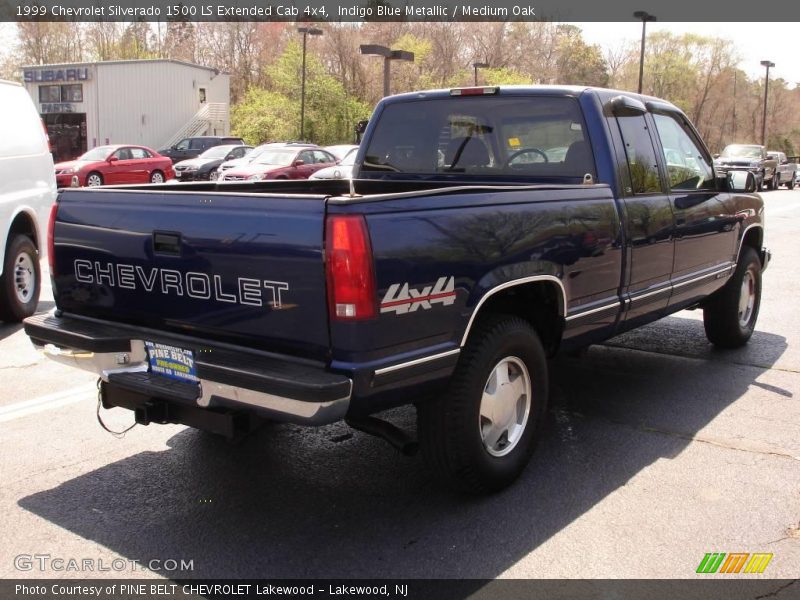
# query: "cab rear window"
{"points": [[530, 136]]}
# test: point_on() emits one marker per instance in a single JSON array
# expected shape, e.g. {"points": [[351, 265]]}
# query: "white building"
{"points": [[153, 103]]}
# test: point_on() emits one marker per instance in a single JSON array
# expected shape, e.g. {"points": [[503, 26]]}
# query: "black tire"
{"points": [[790, 183], [727, 325], [156, 177], [452, 427], [94, 176], [19, 293]]}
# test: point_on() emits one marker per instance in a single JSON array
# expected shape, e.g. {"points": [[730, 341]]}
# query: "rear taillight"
{"points": [[51, 246], [349, 270]]}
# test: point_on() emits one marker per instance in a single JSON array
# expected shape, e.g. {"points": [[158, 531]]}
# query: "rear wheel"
{"points": [[20, 282], [94, 179], [790, 183], [730, 314], [156, 177], [479, 436]]}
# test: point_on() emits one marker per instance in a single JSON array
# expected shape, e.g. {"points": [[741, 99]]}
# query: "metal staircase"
{"points": [[204, 120]]}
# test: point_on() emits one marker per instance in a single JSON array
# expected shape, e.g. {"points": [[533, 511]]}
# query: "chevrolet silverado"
{"points": [[485, 230]]}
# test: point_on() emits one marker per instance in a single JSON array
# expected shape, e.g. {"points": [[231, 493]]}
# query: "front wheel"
{"points": [[21, 280], [790, 183], [730, 315], [479, 436], [156, 177], [94, 180]]}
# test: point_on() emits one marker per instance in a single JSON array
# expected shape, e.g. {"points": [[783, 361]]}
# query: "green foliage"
{"points": [[502, 76], [274, 114], [264, 116]]}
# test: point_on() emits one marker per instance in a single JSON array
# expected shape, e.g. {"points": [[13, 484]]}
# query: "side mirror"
{"points": [[741, 181], [716, 155], [112, 159], [298, 163]]}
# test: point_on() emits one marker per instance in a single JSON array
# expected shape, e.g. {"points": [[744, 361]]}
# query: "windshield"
{"points": [[216, 152], [539, 137], [282, 158], [737, 151], [99, 153]]}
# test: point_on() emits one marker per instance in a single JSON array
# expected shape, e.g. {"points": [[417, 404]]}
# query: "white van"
{"points": [[27, 191]]}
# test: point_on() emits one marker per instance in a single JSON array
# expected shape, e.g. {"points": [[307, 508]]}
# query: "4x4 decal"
{"points": [[402, 299]]}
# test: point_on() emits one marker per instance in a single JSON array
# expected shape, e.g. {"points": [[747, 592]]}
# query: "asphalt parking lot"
{"points": [[659, 450]]}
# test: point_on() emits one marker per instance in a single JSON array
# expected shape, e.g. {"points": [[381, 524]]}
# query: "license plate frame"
{"points": [[171, 361]]}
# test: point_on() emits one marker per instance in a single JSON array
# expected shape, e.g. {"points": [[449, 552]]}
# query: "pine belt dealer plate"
{"points": [[171, 361]]}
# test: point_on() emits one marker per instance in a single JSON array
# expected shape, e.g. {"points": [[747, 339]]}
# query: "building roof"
{"points": [[122, 62]]}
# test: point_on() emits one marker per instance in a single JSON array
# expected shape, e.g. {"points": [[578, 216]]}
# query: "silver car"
{"points": [[342, 170]]}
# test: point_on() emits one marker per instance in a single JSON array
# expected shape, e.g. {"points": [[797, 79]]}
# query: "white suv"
{"points": [[27, 191]]}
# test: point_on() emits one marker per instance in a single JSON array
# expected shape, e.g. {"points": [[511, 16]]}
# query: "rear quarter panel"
{"points": [[480, 240]]}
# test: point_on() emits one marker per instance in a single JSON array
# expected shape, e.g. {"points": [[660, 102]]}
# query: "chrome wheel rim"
{"points": [[24, 277], [93, 181], [747, 299], [505, 406], [157, 178]]}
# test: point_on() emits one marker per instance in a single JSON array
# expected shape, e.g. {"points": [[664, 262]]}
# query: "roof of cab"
{"points": [[509, 90]]}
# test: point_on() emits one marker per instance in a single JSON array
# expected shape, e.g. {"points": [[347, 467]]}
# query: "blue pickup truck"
{"points": [[486, 229]]}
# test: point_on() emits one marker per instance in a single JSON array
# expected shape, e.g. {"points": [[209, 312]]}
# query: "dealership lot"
{"points": [[660, 449]]}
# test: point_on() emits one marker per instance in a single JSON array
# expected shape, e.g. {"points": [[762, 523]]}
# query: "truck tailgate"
{"points": [[241, 268]]}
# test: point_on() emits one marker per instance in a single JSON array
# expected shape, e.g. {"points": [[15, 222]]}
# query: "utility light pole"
{"points": [[388, 56], [767, 64], [476, 66], [306, 31], [644, 16]]}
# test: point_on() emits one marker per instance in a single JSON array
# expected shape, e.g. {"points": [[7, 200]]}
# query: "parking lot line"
{"points": [[50, 401]]}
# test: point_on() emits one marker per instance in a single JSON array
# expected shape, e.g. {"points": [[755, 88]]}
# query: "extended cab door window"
{"points": [[706, 229], [643, 175], [649, 222]]}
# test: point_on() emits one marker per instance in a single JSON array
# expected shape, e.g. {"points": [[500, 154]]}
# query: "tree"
{"points": [[330, 114]]}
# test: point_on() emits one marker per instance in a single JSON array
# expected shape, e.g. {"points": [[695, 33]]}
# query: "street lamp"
{"points": [[306, 31], [476, 66], [645, 17], [388, 56], [767, 64]]}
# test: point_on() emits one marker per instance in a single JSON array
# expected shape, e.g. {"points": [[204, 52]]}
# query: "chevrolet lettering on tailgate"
{"points": [[197, 285]]}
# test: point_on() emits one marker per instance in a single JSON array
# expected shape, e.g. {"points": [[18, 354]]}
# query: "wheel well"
{"points": [[23, 224], [753, 237], [540, 303]]}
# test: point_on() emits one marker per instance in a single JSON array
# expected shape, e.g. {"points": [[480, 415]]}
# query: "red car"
{"points": [[292, 161], [109, 165]]}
